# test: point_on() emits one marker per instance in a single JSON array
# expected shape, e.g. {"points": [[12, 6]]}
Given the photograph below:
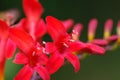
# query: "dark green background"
{"points": [[105, 67]]}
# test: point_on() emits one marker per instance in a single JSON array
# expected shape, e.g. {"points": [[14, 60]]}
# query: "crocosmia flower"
{"points": [[62, 46], [31, 56]]}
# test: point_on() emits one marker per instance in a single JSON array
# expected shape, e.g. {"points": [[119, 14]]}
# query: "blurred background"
{"points": [[94, 67]]}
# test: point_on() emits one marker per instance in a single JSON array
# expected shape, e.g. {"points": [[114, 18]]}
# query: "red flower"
{"points": [[62, 47], [31, 56]]}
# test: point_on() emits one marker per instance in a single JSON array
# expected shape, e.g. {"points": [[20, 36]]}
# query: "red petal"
{"points": [[43, 59], [100, 42], [33, 9], [55, 27], [22, 24], [112, 38], [54, 63], [73, 60], [50, 47], [11, 47], [3, 38], [3, 29], [20, 58], [2, 49], [44, 74], [76, 45], [68, 23], [76, 31], [24, 74], [40, 29], [23, 40], [94, 49]]}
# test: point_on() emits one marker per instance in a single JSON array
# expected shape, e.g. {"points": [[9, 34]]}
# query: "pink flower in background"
{"points": [[108, 28], [91, 29]]}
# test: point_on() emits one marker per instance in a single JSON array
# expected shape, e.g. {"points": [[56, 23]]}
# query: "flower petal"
{"points": [[10, 50], [76, 31], [94, 49], [73, 60], [50, 47], [112, 38], [76, 45], [68, 23], [33, 9], [24, 74], [41, 29], [20, 58], [54, 63], [23, 40], [3, 29], [55, 27], [3, 39], [22, 24], [44, 74], [100, 42]]}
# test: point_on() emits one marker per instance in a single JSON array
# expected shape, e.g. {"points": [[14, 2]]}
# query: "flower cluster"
{"points": [[45, 58]]}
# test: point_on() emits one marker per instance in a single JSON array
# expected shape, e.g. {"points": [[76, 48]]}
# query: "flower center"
{"points": [[33, 59], [62, 47]]}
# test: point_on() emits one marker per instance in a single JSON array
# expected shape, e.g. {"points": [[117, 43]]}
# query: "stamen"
{"points": [[71, 40], [44, 42], [65, 45], [43, 50], [38, 48], [75, 32], [33, 54]]}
